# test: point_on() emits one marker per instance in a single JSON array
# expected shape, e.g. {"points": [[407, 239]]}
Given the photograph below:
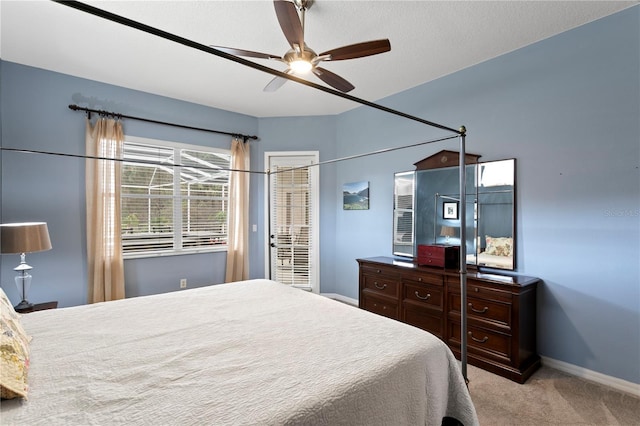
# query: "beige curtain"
{"points": [[104, 241], [238, 243]]}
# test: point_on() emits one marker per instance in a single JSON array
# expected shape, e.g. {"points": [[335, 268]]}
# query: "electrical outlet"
{"points": [[183, 283]]}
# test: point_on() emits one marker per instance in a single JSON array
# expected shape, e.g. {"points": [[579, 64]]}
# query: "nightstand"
{"points": [[39, 307]]}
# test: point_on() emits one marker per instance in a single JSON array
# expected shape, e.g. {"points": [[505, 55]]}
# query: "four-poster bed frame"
{"points": [[461, 132]]}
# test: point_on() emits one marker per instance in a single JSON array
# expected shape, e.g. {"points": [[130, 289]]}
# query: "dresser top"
{"points": [[498, 278]]}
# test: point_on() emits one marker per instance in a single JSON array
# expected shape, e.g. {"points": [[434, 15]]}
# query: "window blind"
{"points": [[290, 207], [173, 198]]}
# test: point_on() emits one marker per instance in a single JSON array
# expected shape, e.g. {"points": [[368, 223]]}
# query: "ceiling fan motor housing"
{"points": [[305, 55]]}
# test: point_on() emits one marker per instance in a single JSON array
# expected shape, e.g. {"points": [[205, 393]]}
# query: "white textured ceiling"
{"points": [[429, 39]]}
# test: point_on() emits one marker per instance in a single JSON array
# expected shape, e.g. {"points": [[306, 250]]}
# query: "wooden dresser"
{"points": [[501, 310]]}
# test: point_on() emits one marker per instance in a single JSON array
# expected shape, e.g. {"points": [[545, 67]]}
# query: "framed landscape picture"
{"points": [[355, 196]]}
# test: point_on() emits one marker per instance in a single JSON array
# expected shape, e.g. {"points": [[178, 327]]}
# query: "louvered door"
{"points": [[293, 212]]}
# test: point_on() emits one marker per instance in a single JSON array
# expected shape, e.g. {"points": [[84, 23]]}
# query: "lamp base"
{"points": [[23, 306]]}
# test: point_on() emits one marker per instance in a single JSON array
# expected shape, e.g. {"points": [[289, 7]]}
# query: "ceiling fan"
{"points": [[300, 58]]}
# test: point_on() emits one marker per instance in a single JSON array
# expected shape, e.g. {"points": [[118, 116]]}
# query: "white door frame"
{"points": [[314, 258]]}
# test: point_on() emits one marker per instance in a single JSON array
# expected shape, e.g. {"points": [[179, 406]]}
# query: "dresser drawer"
{"points": [[480, 291], [421, 318], [487, 293], [487, 343], [424, 295], [382, 284], [424, 278], [498, 313], [380, 306], [375, 270]]}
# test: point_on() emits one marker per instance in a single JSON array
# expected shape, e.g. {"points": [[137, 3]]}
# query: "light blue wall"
{"points": [[567, 109], [301, 134], [49, 188]]}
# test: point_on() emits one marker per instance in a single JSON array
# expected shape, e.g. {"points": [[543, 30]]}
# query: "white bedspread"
{"points": [[248, 353]]}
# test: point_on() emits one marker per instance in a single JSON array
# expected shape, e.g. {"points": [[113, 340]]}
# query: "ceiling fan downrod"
{"points": [[302, 6]]}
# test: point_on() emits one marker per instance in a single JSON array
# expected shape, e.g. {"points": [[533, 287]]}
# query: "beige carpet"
{"points": [[549, 397]]}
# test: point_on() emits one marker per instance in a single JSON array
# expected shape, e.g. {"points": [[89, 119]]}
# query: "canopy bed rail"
{"points": [[121, 160], [461, 132]]}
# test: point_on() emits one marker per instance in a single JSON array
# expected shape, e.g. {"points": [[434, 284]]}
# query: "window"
{"points": [[174, 198]]}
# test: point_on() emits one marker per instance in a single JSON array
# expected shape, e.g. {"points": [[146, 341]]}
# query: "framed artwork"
{"points": [[450, 210], [355, 196]]}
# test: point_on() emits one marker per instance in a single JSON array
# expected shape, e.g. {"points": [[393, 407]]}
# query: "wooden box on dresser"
{"points": [[501, 310]]}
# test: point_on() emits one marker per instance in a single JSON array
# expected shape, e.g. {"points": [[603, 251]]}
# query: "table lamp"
{"points": [[447, 232], [22, 238]]}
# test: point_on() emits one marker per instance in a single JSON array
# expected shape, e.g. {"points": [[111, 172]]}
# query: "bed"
{"points": [[491, 260], [248, 353], [497, 252]]}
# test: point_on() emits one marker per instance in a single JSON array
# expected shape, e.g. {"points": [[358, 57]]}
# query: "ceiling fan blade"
{"points": [[290, 23], [276, 83], [358, 50], [333, 80], [249, 53]]}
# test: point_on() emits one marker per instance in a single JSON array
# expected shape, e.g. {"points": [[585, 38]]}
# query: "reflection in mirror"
{"points": [[495, 215], [403, 214], [426, 211], [437, 208]]}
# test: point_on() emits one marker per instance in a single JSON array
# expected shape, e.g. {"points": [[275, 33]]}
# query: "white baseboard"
{"points": [[594, 376], [341, 298]]}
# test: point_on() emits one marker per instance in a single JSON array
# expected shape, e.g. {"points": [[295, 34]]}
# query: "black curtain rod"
{"points": [[118, 115], [189, 43]]}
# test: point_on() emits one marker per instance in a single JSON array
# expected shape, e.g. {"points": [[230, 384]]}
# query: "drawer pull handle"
{"points": [[380, 287], [484, 339], [478, 311], [423, 297]]}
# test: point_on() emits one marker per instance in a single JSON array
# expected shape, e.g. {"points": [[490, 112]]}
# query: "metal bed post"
{"points": [[463, 254]]}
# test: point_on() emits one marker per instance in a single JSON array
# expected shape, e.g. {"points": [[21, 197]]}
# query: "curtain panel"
{"points": [[238, 238], [105, 139]]}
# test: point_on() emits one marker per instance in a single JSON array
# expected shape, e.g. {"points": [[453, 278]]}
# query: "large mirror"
{"points": [[427, 211]]}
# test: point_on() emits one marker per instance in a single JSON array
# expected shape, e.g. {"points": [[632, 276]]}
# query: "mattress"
{"points": [[247, 353]]}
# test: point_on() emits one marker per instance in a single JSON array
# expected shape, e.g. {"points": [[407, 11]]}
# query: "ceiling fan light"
{"points": [[300, 66]]}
